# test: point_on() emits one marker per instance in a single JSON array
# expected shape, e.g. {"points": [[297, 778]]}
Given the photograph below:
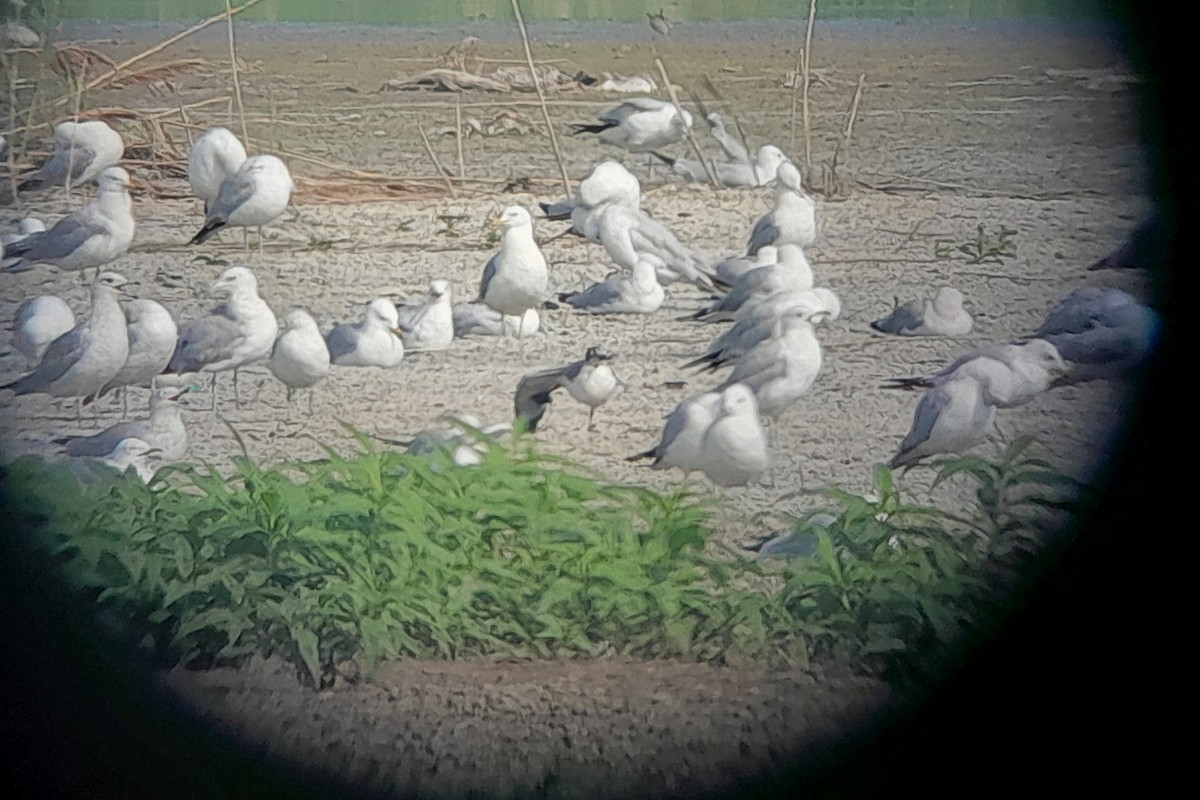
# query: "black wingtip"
{"points": [[550, 305], [670, 162], [32, 183], [643, 456], [208, 230]]}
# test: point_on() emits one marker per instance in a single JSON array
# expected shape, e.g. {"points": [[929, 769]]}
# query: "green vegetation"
{"points": [[388, 555], [985, 248]]}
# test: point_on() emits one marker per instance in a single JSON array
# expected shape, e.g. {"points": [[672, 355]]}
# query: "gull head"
{"points": [[114, 179], [610, 181], [112, 281], [771, 157], [382, 311], [439, 290], [235, 279], [948, 300], [1046, 356], [739, 400], [831, 305], [300, 320], [594, 356], [789, 177], [512, 218]]}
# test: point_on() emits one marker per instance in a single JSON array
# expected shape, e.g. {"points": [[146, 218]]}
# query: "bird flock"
{"points": [[763, 301]]}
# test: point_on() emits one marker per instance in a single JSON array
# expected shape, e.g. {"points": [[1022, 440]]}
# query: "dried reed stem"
{"points": [[662, 70], [853, 115], [458, 139], [537, 85], [437, 165], [807, 59], [233, 68], [795, 95]]}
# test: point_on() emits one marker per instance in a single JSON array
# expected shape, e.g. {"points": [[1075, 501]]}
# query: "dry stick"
{"points": [[812, 18], [849, 132], [708, 170], [537, 85], [795, 94], [458, 138], [233, 67], [437, 165]]}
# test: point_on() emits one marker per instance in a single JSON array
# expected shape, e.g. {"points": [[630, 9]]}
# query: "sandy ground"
{"points": [[1022, 126]]}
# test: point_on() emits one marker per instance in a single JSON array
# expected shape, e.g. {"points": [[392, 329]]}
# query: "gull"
{"points": [[517, 278], [683, 435], [215, 157], [762, 171], [634, 84], [252, 197], [429, 326], [82, 152], [608, 181], [373, 342], [1147, 246], [591, 381], [466, 447], [735, 149], [639, 125], [1009, 374], [728, 270], [734, 449], [622, 293], [942, 316], [237, 333], [1101, 333], [476, 319], [91, 237], [792, 273], [659, 23], [163, 429], [27, 226], [628, 233], [38, 322], [780, 369], [130, 453], [818, 304], [152, 336], [793, 220], [952, 417], [299, 359], [84, 359]]}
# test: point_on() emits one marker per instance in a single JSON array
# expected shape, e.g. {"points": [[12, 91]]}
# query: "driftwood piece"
{"points": [[445, 80]]}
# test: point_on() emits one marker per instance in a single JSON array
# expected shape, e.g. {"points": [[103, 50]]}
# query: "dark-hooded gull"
{"points": [[84, 359], [237, 333], [257, 194], [429, 325], [734, 449], [793, 220], [517, 278], [300, 358], [591, 381], [944, 315], [214, 158], [82, 152], [38, 322], [373, 342], [93, 236]]}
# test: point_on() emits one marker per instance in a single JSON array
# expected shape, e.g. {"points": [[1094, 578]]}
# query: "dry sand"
{"points": [[1027, 127]]}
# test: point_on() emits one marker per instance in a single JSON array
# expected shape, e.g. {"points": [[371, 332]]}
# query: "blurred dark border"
{"points": [[1065, 695]]}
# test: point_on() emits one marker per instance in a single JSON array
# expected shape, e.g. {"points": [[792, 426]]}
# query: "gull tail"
{"points": [[651, 453], [556, 211], [670, 162], [599, 127], [907, 384], [30, 184], [208, 230]]}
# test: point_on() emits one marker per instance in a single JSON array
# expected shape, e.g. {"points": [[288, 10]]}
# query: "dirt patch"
{"points": [[960, 126]]}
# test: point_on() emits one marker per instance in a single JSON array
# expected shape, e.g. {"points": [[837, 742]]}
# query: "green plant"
{"points": [[983, 249], [450, 223]]}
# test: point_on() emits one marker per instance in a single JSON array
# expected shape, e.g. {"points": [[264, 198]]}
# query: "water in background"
{"points": [[433, 11]]}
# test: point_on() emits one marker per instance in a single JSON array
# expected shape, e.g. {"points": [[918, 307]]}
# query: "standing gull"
{"points": [[152, 337], [430, 325], [952, 417], [84, 359], [621, 293], [793, 220], [781, 369], [163, 429], [238, 332], [942, 316], [734, 450], [683, 435], [82, 152], [477, 319], [591, 381], [373, 342], [39, 321], [517, 278], [639, 125], [1009, 374], [254, 196], [300, 359], [791, 273], [91, 237], [215, 157], [629, 233]]}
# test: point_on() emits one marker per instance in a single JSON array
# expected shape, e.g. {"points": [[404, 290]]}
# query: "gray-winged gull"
{"points": [[623, 293], [791, 272], [163, 429], [762, 171], [1101, 333], [639, 125], [373, 342], [628, 233], [942, 316], [82, 152], [214, 158], [237, 333], [153, 335], [84, 359], [793, 220], [91, 237], [26, 228], [299, 359], [780, 369], [517, 278], [818, 304], [429, 325], [38, 322], [951, 417], [734, 450], [591, 381], [1010, 374], [477, 319], [728, 270], [258, 193], [683, 434]]}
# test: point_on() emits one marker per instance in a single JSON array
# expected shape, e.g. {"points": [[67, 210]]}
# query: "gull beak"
{"points": [[182, 392], [400, 330], [495, 223]]}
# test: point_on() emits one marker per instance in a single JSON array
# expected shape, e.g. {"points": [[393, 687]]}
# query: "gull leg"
{"points": [[213, 393], [260, 239], [246, 240], [311, 392], [591, 426], [237, 397]]}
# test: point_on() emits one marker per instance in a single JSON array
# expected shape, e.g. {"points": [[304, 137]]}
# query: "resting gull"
{"points": [[762, 171], [1009, 374], [942, 316], [622, 293], [215, 157], [152, 337], [792, 273], [734, 449], [84, 359], [91, 237], [477, 319], [591, 381], [258, 193], [300, 359], [238, 332], [952, 417], [639, 125], [683, 435], [430, 325], [628, 233], [517, 278], [163, 429], [1101, 333], [38, 322], [780, 369], [793, 220], [373, 342], [818, 304], [82, 152], [27, 227]]}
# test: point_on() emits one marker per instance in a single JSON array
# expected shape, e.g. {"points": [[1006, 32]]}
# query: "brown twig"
{"points": [[795, 95], [853, 115], [662, 70], [233, 69], [458, 139], [807, 59], [437, 165], [537, 85]]}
